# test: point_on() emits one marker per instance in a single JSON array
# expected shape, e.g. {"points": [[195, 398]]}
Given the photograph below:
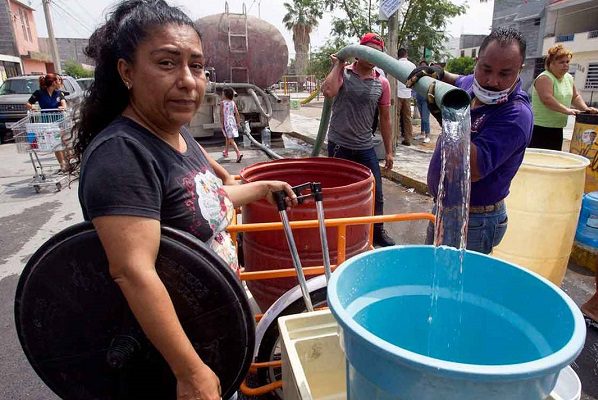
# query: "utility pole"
{"points": [[53, 46], [391, 49]]}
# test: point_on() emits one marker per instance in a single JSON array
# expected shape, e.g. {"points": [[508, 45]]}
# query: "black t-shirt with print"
{"points": [[126, 170]]}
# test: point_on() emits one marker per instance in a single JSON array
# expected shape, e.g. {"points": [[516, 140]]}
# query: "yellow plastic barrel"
{"points": [[585, 143], [543, 207]]}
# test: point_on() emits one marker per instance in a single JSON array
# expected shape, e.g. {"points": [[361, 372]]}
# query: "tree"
{"points": [[76, 70], [301, 18], [461, 65], [319, 61], [422, 22]]}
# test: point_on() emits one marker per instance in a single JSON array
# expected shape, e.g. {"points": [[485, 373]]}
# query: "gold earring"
{"points": [[128, 85]]}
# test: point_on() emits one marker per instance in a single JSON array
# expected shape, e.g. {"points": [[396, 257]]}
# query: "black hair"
{"points": [[229, 93], [130, 22], [504, 37], [402, 53]]}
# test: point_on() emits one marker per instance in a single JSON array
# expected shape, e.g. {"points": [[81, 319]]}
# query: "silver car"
{"points": [[15, 92]]}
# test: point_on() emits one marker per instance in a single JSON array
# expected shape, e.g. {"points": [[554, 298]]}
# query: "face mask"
{"points": [[489, 96]]}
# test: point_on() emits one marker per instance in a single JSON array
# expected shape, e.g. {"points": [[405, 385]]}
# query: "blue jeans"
{"points": [[366, 158], [424, 112], [484, 230]]}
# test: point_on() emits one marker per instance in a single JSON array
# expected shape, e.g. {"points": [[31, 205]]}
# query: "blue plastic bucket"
{"points": [[587, 226], [505, 336]]}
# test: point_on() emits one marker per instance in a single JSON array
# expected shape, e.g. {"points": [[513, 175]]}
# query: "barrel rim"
{"points": [[531, 369], [583, 161], [263, 164], [586, 118]]}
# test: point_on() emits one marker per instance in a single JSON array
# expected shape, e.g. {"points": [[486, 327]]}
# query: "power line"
{"points": [[91, 18], [66, 8], [72, 17], [64, 14]]}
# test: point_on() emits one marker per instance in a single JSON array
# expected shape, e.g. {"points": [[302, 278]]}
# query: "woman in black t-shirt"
{"points": [[140, 167]]}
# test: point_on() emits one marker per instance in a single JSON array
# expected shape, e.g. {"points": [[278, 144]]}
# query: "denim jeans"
{"points": [[484, 230], [366, 158], [424, 112]]}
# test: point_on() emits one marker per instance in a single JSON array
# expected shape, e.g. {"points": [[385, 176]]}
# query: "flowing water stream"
{"points": [[452, 216]]}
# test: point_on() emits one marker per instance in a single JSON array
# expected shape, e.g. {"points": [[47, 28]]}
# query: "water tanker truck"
{"points": [[250, 55]]}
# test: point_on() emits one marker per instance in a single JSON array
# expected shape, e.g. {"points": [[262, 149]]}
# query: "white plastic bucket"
{"points": [[568, 386]]}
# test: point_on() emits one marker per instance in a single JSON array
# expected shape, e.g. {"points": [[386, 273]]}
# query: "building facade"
{"points": [[469, 45], [574, 24], [527, 16], [19, 46], [69, 49]]}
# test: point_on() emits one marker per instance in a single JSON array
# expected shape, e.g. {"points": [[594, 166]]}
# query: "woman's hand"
{"points": [[201, 384], [277, 186], [592, 110], [572, 111]]}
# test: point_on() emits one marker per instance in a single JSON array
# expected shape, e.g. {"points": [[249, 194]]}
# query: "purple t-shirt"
{"points": [[501, 134]]}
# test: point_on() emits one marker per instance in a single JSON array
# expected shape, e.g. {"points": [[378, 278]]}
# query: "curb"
{"points": [[405, 180]]}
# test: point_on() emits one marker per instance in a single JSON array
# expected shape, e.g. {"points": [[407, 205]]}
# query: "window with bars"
{"points": [[22, 18], [592, 77], [28, 26]]}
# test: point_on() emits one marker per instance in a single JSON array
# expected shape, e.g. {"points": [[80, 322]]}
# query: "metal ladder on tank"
{"points": [[237, 37]]}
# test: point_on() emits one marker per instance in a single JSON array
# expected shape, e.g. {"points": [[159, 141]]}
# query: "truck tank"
{"points": [[250, 55], [243, 48]]}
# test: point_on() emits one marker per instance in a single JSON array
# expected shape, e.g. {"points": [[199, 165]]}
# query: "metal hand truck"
{"points": [[316, 192]]}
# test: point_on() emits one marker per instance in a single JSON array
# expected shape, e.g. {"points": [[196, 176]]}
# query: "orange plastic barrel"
{"points": [[347, 192]]}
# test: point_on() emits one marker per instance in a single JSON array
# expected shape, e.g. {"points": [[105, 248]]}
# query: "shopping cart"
{"points": [[44, 131]]}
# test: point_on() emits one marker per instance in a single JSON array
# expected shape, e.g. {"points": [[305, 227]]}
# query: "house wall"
{"points": [[23, 28]]}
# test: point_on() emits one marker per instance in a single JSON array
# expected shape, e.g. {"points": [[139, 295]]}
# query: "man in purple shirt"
{"points": [[501, 127]]}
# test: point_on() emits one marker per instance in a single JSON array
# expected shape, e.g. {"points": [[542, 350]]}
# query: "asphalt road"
{"points": [[28, 219]]}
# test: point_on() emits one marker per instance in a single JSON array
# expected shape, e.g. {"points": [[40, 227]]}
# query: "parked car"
{"points": [[15, 92], [85, 83]]}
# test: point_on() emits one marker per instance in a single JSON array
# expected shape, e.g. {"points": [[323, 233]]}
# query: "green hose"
{"points": [[445, 95]]}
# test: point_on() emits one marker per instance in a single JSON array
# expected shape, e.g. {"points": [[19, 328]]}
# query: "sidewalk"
{"points": [[410, 163]]}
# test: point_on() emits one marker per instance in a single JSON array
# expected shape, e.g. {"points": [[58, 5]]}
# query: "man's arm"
{"points": [[499, 139], [450, 77], [334, 79], [473, 163], [386, 131]]}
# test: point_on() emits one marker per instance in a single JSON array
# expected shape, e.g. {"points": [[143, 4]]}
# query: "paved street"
{"points": [[28, 219]]}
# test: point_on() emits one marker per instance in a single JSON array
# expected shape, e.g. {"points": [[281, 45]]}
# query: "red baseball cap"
{"points": [[372, 38]]}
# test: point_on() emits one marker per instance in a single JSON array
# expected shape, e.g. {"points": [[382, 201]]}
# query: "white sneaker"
{"points": [[426, 140], [419, 137]]}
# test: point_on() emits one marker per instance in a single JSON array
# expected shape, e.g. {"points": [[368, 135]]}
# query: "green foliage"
{"points": [[422, 23], [301, 18], [461, 65], [319, 62], [76, 70]]}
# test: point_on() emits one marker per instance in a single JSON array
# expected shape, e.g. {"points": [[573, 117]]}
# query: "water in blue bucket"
{"points": [[504, 336]]}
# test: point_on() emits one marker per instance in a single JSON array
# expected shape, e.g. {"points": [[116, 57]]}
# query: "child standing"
{"points": [[230, 119]]}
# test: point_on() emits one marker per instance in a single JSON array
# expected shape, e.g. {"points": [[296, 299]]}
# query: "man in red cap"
{"points": [[359, 90]]}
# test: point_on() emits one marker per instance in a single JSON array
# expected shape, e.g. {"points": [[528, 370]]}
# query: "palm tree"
{"points": [[301, 18]]}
